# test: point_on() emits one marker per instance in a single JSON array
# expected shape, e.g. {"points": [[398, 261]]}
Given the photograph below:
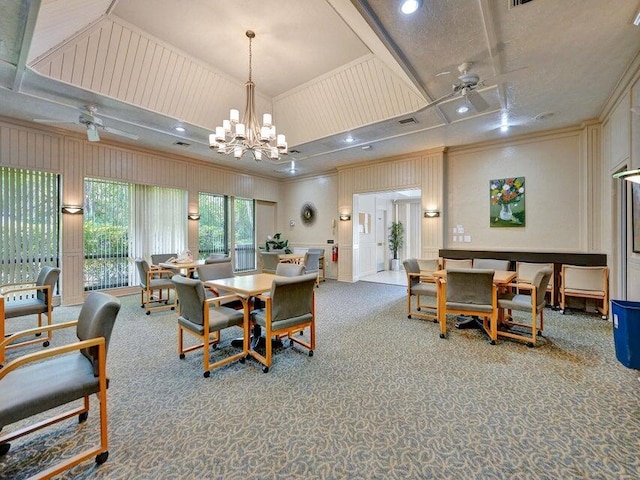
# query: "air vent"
{"points": [[182, 144], [407, 121], [293, 150], [517, 3]]}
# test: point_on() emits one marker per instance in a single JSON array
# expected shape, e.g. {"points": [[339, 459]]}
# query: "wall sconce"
{"points": [[194, 216], [431, 213], [345, 217], [72, 209], [629, 175]]}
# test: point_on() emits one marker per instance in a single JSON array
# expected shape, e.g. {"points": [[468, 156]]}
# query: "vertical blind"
{"points": [[29, 223], [213, 227], [244, 234]]}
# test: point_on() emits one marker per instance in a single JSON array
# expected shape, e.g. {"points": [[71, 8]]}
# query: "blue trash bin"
{"points": [[626, 332]]}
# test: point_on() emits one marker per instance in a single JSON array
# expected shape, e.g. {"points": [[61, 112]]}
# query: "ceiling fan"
{"points": [[466, 87], [93, 123]]}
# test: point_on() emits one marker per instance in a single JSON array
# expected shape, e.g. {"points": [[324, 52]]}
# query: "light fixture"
{"points": [[345, 217], [72, 209], [239, 137], [629, 175], [179, 129], [462, 109], [349, 139], [410, 6], [194, 216], [431, 213], [504, 128], [636, 19]]}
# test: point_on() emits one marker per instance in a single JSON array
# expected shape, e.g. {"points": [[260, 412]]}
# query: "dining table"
{"points": [[299, 258], [501, 278], [247, 286], [188, 268]]}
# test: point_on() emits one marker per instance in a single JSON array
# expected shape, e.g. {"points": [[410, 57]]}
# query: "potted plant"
{"points": [[396, 239], [276, 243]]}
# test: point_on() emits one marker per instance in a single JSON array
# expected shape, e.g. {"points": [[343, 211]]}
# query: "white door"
{"points": [[381, 222]]}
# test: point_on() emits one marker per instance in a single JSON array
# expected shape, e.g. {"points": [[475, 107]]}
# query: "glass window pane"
{"points": [[244, 234], [213, 235]]}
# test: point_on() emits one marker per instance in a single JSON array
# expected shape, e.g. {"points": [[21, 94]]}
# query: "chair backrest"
{"points": [[471, 286], [292, 297], [540, 282], [191, 296], [47, 276], [290, 269], [455, 263], [96, 319], [316, 250], [159, 258], [429, 266], [217, 258], [270, 260], [312, 261], [592, 279], [143, 268], [215, 271], [411, 266], [491, 264], [527, 271]]}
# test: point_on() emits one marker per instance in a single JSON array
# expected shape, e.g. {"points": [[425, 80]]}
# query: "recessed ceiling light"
{"points": [[462, 109], [349, 139], [410, 6], [180, 129], [504, 128], [367, 147]]}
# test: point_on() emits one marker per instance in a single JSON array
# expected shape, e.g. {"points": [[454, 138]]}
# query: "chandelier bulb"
{"points": [[266, 119], [237, 152], [234, 115], [240, 133]]}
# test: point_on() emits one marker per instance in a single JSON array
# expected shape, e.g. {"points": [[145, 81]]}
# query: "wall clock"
{"points": [[308, 213]]}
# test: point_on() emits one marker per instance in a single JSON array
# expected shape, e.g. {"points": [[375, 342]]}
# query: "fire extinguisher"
{"points": [[334, 253]]}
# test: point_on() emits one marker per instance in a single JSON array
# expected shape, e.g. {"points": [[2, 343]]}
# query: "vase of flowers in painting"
{"points": [[505, 212], [507, 200]]}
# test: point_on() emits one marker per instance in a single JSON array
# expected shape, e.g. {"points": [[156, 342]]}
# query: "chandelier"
{"points": [[239, 137]]}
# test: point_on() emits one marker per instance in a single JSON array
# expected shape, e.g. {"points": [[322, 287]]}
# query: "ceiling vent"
{"points": [[407, 121], [517, 3], [182, 144]]}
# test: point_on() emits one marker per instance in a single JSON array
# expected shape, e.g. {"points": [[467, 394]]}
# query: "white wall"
{"points": [[555, 210]]}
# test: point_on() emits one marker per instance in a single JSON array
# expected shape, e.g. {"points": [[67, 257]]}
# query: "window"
{"points": [[29, 223], [125, 221], [213, 236], [107, 221], [245, 234]]}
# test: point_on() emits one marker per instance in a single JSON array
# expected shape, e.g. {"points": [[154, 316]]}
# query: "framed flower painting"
{"points": [[506, 208]]}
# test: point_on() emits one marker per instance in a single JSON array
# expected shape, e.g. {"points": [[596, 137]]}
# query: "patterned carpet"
{"points": [[382, 398]]}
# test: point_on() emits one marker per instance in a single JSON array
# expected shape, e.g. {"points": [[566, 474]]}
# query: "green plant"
{"points": [[276, 243], [396, 238]]}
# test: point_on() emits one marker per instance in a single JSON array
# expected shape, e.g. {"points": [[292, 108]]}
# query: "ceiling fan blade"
{"points": [[46, 120], [437, 101], [476, 100], [121, 133]]}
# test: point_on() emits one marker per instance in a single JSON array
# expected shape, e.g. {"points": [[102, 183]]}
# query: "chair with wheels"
{"points": [[421, 283], [204, 318], [312, 263], [491, 264], [44, 380], [158, 258], [527, 272], [290, 269], [269, 261], [456, 263], [533, 304], [216, 271], [217, 258], [469, 291], [587, 283], [154, 282], [30, 298], [289, 307]]}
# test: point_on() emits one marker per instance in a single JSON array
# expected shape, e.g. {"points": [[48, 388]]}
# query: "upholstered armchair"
{"points": [[532, 304], [47, 379], [469, 291], [217, 258], [216, 271], [456, 263], [312, 263], [421, 283], [158, 258], [153, 284], [269, 261], [527, 271], [289, 307], [30, 298], [290, 269], [585, 282], [204, 318], [491, 264]]}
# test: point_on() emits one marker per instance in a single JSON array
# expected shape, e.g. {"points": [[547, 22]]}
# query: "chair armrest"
{"points": [[232, 296], [32, 331], [21, 287], [50, 352], [159, 272]]}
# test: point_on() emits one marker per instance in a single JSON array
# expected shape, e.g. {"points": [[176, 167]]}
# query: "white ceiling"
{"points": [[324, 68]]}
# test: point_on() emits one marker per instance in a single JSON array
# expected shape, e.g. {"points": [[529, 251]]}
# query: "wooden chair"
{"points": [[158, 258], [154, 280], [491, 264], [48, 379], [217, 258], [420, 283], [290, 307], [533, 304], [312, 263], [585, 282], [269, 261], [30, 298], [290, 269], [469, 291], [455, 263], [526, 273], [204, 318]]}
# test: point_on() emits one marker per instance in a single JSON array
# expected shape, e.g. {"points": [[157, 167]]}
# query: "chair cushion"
{"points": [[519, 302], [24, 307], [39, 387], [219, 318], [160, 283], [423, 288], [470, 307], [260, 317]]}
